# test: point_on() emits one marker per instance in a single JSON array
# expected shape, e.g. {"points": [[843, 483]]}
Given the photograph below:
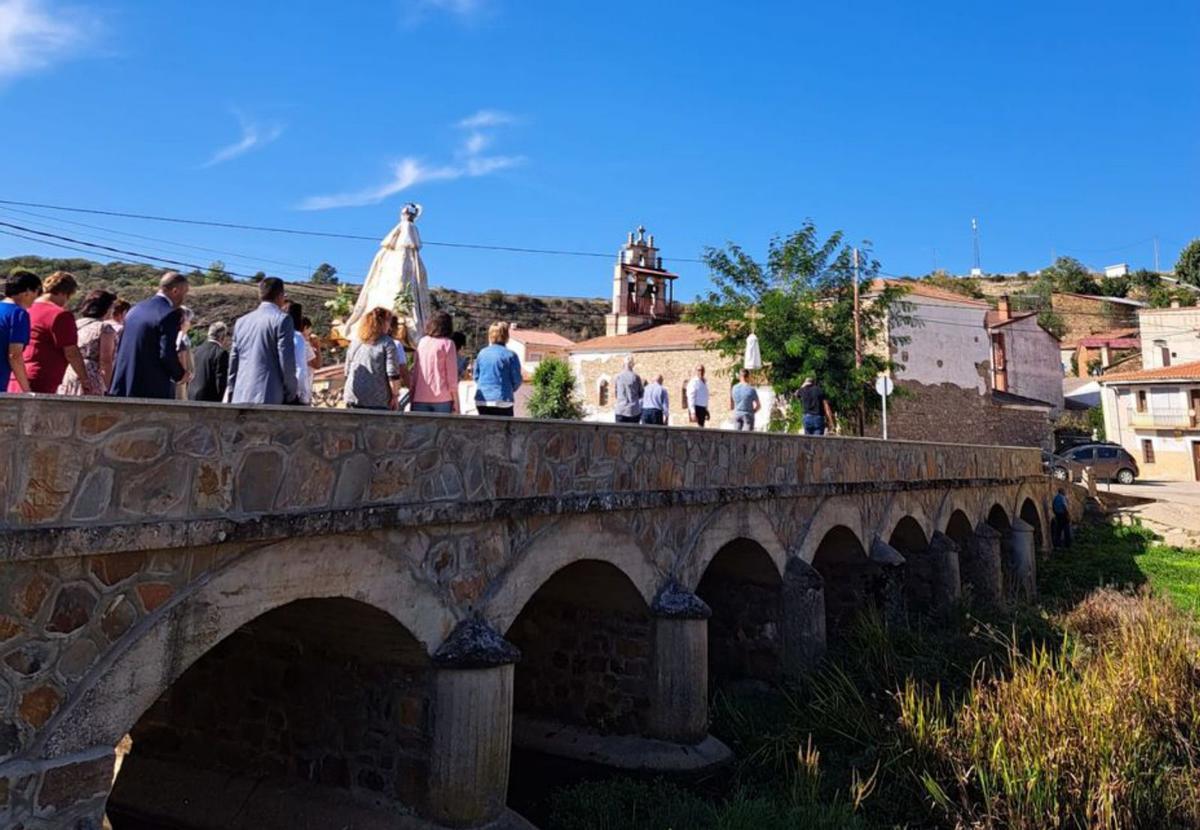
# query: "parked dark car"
{"points": [[1106, 462]]}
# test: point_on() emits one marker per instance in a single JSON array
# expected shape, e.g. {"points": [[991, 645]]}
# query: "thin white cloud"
{"points": [[467, 11], [36, 33], [253, 137], [409, 172], [487, 118]]}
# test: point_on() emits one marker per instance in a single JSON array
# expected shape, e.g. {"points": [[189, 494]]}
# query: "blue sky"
{"points": [[1066, 127]]}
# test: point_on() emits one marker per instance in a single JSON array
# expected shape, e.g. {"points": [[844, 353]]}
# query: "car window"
{"points": [[1106, 452], [1081, 455]]}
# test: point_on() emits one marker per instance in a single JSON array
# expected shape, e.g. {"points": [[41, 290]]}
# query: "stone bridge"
{"points": [[257, 618]]}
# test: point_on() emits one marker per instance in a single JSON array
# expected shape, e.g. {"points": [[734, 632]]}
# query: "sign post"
{"points": [[884, 387]]}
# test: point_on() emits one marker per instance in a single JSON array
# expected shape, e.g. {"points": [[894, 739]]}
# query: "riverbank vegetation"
{"points": [[1082, 712]]}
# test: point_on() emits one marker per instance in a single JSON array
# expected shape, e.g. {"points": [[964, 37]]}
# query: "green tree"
{"points": [[216, 272], [259, 276], [325, 274], [803, 294], [1187, 268], [554, 392], [1070, 275]]}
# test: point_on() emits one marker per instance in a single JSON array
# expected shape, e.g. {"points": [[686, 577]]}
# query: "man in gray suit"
{"points": [[262, 361]]}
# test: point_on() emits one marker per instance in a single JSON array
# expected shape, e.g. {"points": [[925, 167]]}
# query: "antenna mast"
{"points": [[976, 269]]}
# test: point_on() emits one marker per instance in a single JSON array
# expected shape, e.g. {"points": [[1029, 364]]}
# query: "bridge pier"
{"points": [[933, 582], [1023, 568], [679, 680], [803, 618], [471, 729], [981, 565]]}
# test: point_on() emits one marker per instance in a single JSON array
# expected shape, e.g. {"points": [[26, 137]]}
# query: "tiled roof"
{"points": [[1184, 371], [922, 289], [537, 337], [658, 338], [1117, 338]]}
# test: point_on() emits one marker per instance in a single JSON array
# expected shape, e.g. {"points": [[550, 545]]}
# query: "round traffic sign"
{"points": [[884, 386]]}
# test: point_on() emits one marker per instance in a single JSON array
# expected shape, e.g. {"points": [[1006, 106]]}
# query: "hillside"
{"points": [[573, 317]]}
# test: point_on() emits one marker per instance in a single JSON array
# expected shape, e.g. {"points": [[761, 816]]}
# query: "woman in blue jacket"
{"points": [[497, 374]]}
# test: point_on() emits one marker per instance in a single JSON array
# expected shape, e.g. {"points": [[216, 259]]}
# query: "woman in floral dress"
{"points": [[97, 343]]}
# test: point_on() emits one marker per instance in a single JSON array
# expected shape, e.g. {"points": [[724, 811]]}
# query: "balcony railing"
{"points": [[1171, 419]]}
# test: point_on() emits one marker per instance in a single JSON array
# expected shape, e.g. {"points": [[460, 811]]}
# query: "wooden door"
{"points": [[1194, 405], [1196, 459]]}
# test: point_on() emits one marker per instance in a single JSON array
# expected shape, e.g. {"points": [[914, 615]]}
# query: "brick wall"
{"points": [[338, 702], [961, 416]]}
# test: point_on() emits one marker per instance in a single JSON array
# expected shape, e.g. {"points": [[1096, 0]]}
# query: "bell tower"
{"points": [[643, 292]]}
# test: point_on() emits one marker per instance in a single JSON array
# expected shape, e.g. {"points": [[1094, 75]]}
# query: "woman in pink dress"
{"points": [[435, 368], [97, 343]]}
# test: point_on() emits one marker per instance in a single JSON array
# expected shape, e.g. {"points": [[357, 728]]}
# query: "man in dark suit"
{"points": [[147, 364], [210, 364]]}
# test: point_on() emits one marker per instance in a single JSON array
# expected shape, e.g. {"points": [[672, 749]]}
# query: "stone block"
{"points": [[30, 658], [39, 704], [117, 618], [352, 481], [390, 477], [95, 495], [137, 446], [9, 628], [72, 609], [308, 483], [113, 568], [30, 596], [154, 594], [212, 489], [198, 441], [77, 658], [64, 786], [95, 424], [158, 492], [258, 480], [51, 472]]}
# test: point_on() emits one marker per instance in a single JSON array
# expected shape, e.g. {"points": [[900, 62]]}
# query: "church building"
{"points": [[644, 323]]}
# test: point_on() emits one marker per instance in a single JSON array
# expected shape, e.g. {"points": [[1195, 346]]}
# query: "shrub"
{"points": [[554, 392]]}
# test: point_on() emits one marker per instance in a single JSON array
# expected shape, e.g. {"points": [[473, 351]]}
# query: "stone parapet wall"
{"points": [[97, 475], [923, 412]]}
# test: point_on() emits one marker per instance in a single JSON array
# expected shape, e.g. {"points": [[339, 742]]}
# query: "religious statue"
{"points": [[397, 279]]}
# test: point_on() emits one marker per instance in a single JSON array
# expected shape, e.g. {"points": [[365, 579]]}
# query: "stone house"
{"points": [[1169, 336], [1085, 315], [1155, 415], [970, 373], [1097, 353]]}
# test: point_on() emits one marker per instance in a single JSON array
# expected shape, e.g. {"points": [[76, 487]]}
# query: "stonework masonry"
{"points": [[954, 414], [141, 541]]}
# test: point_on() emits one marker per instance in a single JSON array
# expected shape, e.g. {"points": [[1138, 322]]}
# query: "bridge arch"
{"points": [[729, 524], [1031, 514], [557, 547], [332, 696], [832, 513], [959, 528], [586, 642], [908, 511], [849, 577], [998, 518], [960, 501], [743, 587], [155, 653]]}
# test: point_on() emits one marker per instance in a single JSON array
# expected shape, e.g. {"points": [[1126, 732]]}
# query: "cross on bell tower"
{"points": [[643, 291]]}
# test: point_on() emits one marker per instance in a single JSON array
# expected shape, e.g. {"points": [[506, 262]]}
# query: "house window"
{"points": [[1141, 400], [603, 391], [1147, 451]]}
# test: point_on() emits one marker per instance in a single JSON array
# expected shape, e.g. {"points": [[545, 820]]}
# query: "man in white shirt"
{"points": [[697, 398]]}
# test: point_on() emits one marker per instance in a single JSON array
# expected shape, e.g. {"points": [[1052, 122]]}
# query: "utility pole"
{"points": [[862, 408], [1156, 253]]}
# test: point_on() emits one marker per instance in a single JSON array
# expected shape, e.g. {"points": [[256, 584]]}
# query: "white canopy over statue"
{"points": [[397, 279]]}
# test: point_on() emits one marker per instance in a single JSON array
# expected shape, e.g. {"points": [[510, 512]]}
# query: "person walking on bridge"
{"points": [[628, 387], [818, 414], [743, 400], [147, 364], [262, 362], [656, 403]]}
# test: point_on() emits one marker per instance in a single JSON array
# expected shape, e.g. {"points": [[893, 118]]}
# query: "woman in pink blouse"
{"points": [[435, 368]]}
